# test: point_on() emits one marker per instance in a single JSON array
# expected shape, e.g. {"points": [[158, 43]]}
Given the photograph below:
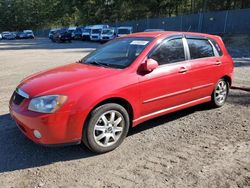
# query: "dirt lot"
{"points": [[197, 147]]}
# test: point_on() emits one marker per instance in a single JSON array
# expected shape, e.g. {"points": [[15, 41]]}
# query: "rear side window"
{"points": [[200, 48], [217, 47], [169, 52]]}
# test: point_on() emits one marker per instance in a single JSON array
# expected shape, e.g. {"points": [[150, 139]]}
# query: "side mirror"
{"points": [[149, 65]]}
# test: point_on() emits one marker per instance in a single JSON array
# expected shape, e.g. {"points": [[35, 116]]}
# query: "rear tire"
{"points": [[106, 128], [220, 93]]}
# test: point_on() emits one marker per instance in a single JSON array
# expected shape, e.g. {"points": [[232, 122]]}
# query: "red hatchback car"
{"points": [[123, 83]]}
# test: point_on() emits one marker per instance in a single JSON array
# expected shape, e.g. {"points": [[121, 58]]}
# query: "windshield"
{"points": [[78, 30], [71, 30], [119, 53], [123, 31], [62, 31], [86, 30], [108, 32], [96, 31]]}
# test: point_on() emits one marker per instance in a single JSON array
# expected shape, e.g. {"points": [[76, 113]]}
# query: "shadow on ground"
{"points": [[239, 97], [44, 43], [17, 152]]}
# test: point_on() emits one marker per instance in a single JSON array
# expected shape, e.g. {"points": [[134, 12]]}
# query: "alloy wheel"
{"points": [[221, 91], [108, 128]]}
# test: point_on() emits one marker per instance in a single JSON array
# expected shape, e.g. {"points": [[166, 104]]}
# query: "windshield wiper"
{"points": [[98, 63]]}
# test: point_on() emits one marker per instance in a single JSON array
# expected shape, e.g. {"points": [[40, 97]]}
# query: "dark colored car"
{"points": [[62, 35], [120, 85], [77, 34]]}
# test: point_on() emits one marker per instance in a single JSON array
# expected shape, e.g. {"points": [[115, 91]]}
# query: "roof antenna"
{"points": [[189, 28]]}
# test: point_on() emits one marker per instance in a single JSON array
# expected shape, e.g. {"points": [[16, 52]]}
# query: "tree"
{"points": [[36, 14]]}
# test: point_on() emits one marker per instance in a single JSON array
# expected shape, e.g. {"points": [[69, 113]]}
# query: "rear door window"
{"points": [[200, 48]]}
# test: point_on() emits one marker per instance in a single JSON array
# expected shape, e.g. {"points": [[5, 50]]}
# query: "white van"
{"points": [[107, 34], [96, 31], [122, 31]]}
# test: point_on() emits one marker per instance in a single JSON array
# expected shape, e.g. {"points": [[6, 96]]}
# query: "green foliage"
{"points": [[35, 14]]}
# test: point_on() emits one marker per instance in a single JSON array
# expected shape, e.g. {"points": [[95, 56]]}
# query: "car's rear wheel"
{"points": [[106, 128], [220, 93]]}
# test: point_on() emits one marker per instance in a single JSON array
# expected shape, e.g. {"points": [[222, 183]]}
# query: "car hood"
{"points": [[55, 80]]}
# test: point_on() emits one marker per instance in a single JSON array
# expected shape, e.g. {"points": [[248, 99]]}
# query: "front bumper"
{"points": [[55, 129], [105, 39], [85, 37], [94, 38]]}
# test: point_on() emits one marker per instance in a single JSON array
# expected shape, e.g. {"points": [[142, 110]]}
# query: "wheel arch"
{"points": [[228, 79], [118, 100]]}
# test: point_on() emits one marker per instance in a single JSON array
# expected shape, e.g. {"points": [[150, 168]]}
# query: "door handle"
{"points": [[218, 62], [182, 70]]}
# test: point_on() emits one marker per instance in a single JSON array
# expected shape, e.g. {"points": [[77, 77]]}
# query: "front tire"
{"points": [[106, 128], [220, 93]]}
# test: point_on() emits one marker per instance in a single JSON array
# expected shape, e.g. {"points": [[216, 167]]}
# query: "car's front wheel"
{"points": [[106, 128], [220, 93]]}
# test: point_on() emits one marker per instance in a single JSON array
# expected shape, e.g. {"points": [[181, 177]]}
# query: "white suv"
{"points": [[107, 34], [122, 31], [29, 34]]}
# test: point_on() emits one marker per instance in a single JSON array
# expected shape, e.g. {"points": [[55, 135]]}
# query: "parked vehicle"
{"points": [[29, 34], [86, 33], [8, 35], [52, 32], [21, 35], [124, 83], [62, 35], [71, 30], [122, 31], [96, 31], [1, 36], [77, 34], [153, 30], [107, 34], [95, 34]]}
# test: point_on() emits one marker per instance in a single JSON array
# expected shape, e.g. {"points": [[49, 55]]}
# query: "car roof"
{"points": [[110, 28], [72, 28], [160, 34]]}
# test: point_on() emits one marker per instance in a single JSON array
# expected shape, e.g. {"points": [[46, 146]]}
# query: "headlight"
{"points": [[47, 104]]}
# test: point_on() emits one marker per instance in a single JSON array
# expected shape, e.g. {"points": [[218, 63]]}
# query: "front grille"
{"points": [[106, 38], [94, 37], [17, 99]]}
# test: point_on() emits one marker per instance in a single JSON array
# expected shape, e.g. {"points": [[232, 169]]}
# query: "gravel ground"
{"points": [[196, 147]]}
